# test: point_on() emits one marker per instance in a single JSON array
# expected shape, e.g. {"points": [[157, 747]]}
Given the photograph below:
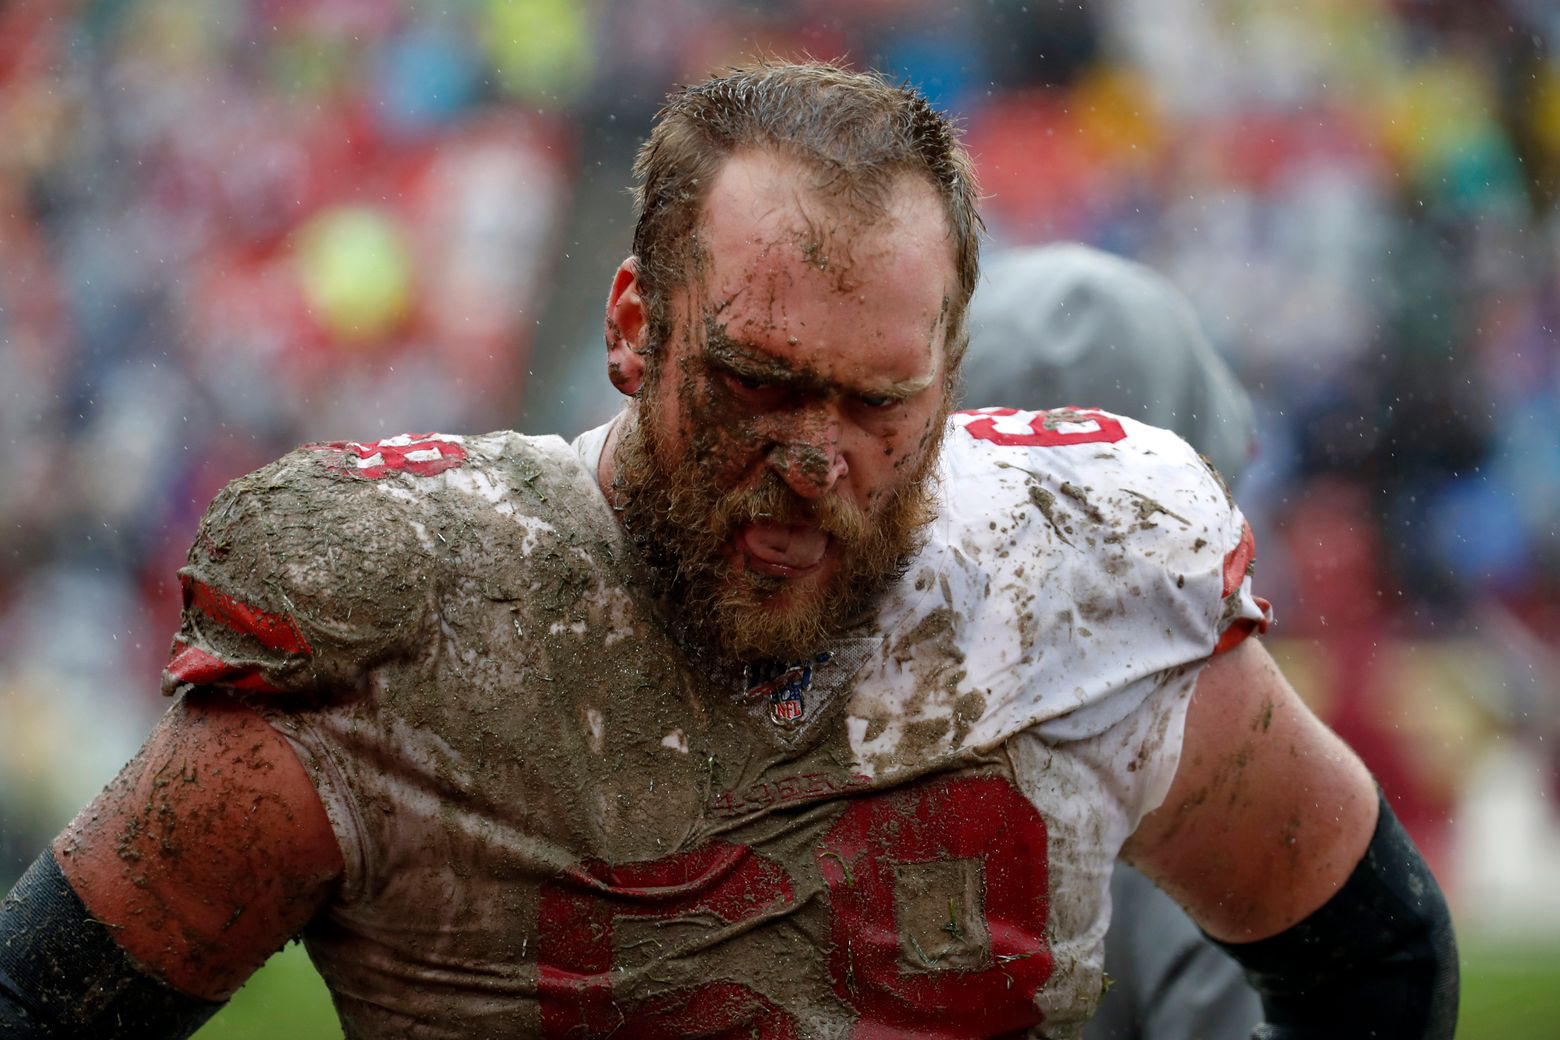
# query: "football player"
{"points": [[788, 704]]}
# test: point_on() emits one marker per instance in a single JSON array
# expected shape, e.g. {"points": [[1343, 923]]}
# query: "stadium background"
{"points": [[231, 227]]}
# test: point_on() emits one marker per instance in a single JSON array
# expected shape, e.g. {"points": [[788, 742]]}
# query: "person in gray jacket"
{"points": [[1069, 324]]}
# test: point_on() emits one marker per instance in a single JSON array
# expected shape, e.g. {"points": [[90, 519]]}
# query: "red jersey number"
{"points": [[981, 953], [937, 902], [420, 454], [1059, 427], [579, 914]]}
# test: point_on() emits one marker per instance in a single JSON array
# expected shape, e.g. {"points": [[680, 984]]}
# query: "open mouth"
{"points": [[782, 550]]}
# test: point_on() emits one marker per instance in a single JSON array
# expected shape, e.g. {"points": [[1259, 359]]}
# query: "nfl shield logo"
{"points": [[785, 683], [787, 707]]}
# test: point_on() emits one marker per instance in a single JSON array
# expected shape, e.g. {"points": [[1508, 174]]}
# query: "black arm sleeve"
{"points": [[63, 975], [1377, 960]]}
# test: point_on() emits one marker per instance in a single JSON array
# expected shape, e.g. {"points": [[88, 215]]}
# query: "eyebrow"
{"points": [[748, 360]]}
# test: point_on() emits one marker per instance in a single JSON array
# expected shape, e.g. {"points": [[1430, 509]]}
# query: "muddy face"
{"points": [[777, 468]]}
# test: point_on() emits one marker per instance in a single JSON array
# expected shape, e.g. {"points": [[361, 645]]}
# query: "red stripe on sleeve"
{"points": [[273, 631], [191, 664], [1239, 560], [1235, 635], [1240, 628]]}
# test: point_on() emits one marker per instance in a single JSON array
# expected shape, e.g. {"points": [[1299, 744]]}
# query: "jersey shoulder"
{"points": [[309, 571], [1087, 554], [1093, 478]]}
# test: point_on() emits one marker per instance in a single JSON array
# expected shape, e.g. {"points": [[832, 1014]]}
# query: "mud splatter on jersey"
{"points": [[557, 823]]}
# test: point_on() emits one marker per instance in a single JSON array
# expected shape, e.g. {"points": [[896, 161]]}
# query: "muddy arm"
{"points": [[1269, 811], [1274, 839], [205, 854]]}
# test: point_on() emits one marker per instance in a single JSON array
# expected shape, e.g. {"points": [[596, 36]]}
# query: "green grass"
{"points": [[1508, 993], [286, 998]]}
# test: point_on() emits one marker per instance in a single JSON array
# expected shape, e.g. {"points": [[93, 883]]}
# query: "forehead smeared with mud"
{"points": [[823, 214], [779, 257], [855, 134]]}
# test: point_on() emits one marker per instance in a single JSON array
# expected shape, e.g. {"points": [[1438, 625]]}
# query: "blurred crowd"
{"points": [[232, 227]]}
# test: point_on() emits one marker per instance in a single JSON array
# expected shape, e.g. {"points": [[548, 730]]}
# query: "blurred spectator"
{"points": [[1069, 325]]}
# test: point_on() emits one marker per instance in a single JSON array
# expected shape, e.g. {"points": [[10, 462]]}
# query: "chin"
{"points": [[781, 618]]}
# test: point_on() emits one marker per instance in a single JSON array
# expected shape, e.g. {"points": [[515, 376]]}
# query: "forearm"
{"points": [[1377, 960], [63, 975]]}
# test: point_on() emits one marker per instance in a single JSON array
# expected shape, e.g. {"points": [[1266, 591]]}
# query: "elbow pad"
{"points": [[1378, 960], [63, 975]]}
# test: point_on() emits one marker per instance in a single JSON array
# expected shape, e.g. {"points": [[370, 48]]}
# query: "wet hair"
{"points": [[857, 133]]}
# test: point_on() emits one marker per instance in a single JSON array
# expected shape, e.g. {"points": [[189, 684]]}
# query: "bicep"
{"points": [[208, 851], [1269, 811]]}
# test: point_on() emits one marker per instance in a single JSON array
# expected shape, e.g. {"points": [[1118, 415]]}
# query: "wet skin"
{"points": [[810, 345]]}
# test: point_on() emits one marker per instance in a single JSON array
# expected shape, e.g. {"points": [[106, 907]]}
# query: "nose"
{"points": [[808, 458]]}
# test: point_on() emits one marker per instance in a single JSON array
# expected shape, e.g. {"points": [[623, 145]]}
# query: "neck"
{"points": [[606, 466]]}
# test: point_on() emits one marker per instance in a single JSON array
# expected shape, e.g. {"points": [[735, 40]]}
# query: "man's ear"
{"points": [[627, 329]]}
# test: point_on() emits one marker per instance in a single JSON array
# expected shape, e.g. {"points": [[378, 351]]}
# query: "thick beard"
{"points": [[683, 525]]}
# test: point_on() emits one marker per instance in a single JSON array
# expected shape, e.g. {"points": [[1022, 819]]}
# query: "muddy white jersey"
{"points": [[556, 822]]}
